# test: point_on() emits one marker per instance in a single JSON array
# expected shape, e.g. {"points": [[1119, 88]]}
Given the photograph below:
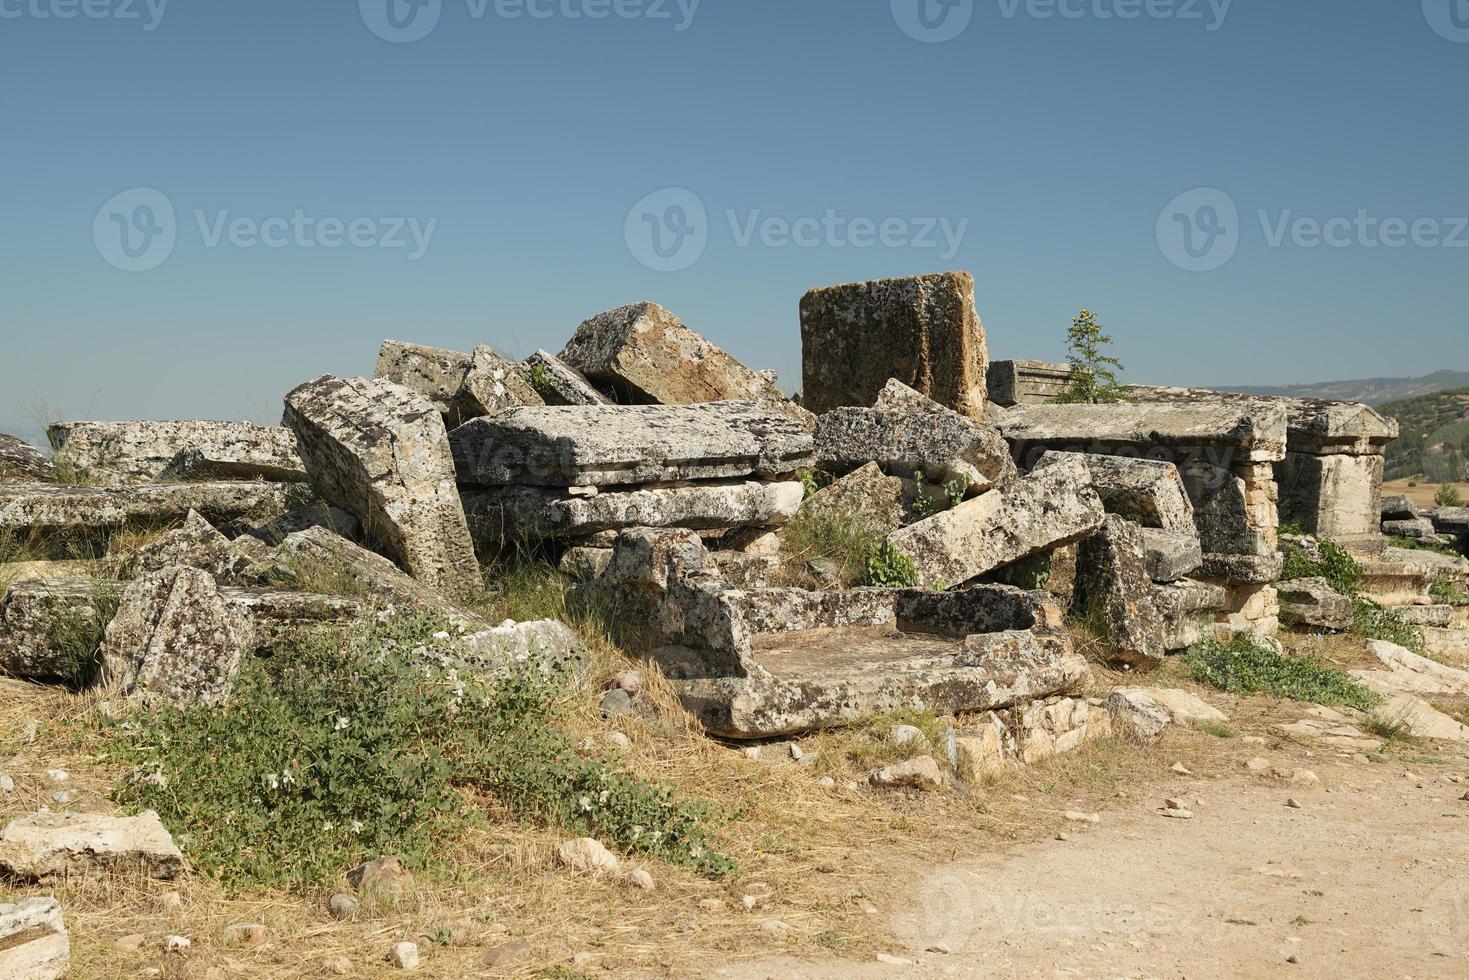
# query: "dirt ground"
{"points": [[1420, 493]]}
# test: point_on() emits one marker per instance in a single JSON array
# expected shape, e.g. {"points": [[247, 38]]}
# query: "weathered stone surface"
{"points": [[432, 372], [1234, 512], [1404, 670], [921, 773], [582, 564], [1027, 382], [1399, 508], [33, 940], [51, 846], [1186, 610], [1449, 646], [922, 331], [1416, 529], [175, 639], [22, 462], [114, 453], [1241, 569], [865, 494], [1440, 616], [45, 507], [379, 451], [1313, 602], [1315, 424], [612, 445], [1338, 495], [1184, 707], [252, 454], [198, 544], [32, 613], [1114, 586], [1250, 432], [1138, 714], [1452, 520], [301, 518], [1171, 555], [560, 383], [278, 615], [648, 355], [907, 433], [1148, 492], [1053, 726], [526, 513], [1249, 608], [1035, 513], [492, 384], [545, 645]]}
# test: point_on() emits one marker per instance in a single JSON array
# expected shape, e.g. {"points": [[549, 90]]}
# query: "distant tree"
{"points": [[1448, 496], [1093, 370]]}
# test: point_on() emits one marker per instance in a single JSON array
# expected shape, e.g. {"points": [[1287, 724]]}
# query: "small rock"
{"points": [[918, 773], [1297, 777], [775, 927], [640, 878], [1174, 804], [749, 902], [616, 702], [588, 857], [1293, 958], [1181, 769], [339, 965], [906, 735], [7, 785], [342, 906], [176, 944], [404, 956], [1176, 814], [711, 906], [1465, 797], [57, 776], [246, 933], [129, 944], [826, 782], [1293, 804], [1076, 816], [1252, 740], [940, 948], [1258, 765], [381, 880], [619, 740], [630, 681], [893, 960], [752, 752], [502, 955], [61, 796]]}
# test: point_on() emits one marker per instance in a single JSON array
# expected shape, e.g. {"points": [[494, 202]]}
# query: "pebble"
{"points": [[342, 906], [1176, 814], [893, 960], [501, 955], [404, 956], [1076, 816], [749, 902], [1293, 958], [775, 927], [7, 785], [620, 740], [616, 702], [1293, 803], [1174, 804], [629, 680], [940, 948], [640, 878], [176, 944], [246, 933], [57, 776], [588, 856], [1181, 769], [127, 944], [339, 965], [1258, 764], [61, 796], [826, 782], [904, 735]]}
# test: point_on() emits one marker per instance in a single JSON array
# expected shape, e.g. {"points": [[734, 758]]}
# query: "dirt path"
{"points": [[1369, 877]]}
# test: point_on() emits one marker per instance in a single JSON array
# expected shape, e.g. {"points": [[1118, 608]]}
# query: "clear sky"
{"points": [[208, 202]]}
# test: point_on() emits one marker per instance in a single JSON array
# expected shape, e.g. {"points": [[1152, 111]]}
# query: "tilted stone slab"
{"points": [[116, 453], [1187, 610], [1034, 513], [1313, 602], [1171, 555], [33, 940], [1027, 382], [621, 445], [45, 507], [648, 355], [1114, 585], [864, 495], [175, 639], [379, 451], [1146, 491], [198, 544], [907, 433], [53, 846], [268, 454], [524, 513], [1221, 432], [560, 383], [921, 330], [432, 372], [492, 384], [24, 463]]}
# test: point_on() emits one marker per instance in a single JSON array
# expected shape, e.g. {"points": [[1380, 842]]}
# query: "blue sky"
{"points": [[1065, 147]]}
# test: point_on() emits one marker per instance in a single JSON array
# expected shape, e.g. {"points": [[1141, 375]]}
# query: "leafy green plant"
{"points": [[1341, 571], [922, 504], [956, 489], [1447, 590], [1448, 496], [352, 743], [540, 379], [889, 568], [1414, 544], [1377, 622], [813, 481], [1093, 370], [1241, 666]]}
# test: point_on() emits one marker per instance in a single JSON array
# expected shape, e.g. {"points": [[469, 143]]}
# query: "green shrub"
{"points": [[1093, 371], [1377, 622], [349, 744], [889, 568], [1447, 590], [813, 481], [1448, 496], [956, 489], [540, 379], [76, 634], [1240, 666], [1337, 566]]}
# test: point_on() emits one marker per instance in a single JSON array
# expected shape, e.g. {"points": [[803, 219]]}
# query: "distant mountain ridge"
{"points": [[1371, 391]]}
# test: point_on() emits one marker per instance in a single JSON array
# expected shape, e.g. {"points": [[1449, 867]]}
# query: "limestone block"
{"points": [[1148, 492], [1313, 602], [50, 846], [559, 382], [116, 453], [23, 463], [1114, 586]]}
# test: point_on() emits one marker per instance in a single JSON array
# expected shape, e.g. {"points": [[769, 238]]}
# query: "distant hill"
{"points": [[1371, 391], [1435, 436]]}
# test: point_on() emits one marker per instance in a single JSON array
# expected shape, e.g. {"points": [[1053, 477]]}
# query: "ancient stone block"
{"points": [[546, 645], [1399, 508], [1313, 602], [907, 433], [1452, 520], [51, 846], [648, 355], [1035, 513], [34, 614], [1138, 714], [115, 453], [48, 508], [376, 449], [1146, 491], [1113, 585], [255, 454], [1221, 432], [1171, 555], [1027, 382], [1187, 610], [559, 383], [1416, 529], [1249, 608], [198, 544], [175, 639], [582, 564], [1338, 495], [315, 514], [492, 384], [24, 463], [1242, 569], [864, 495], [1054, 726], [920, 330], [612, 445], [527, 513], [33, 941], [431, 372]]}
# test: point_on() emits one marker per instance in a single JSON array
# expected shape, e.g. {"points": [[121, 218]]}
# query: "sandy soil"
{"points": [[1421, 494], [1369, 877]]}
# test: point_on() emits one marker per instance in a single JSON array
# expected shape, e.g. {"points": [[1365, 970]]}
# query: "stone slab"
{"points": [[561, 384], [52, 846], [1146, 491], [116, 453], [1220, 431], [1027, 382], [24, 463], [46, 507]]}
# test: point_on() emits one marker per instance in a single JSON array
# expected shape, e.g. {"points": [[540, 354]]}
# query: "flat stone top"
{"points": [[963, 280], [1259, 430], [1308, 418]]}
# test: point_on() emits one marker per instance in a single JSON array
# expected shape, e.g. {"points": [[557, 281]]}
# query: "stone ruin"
{"points": [[665, 477]]}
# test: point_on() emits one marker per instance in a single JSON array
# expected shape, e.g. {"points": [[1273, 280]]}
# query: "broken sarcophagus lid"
{"points": [[778, 661]]}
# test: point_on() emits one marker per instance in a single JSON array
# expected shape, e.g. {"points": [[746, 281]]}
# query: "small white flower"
{"points": [[586, 803], [342, 722], [328, 826], [272, 780], [356, 827], [441, 635], [289, 778]]}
